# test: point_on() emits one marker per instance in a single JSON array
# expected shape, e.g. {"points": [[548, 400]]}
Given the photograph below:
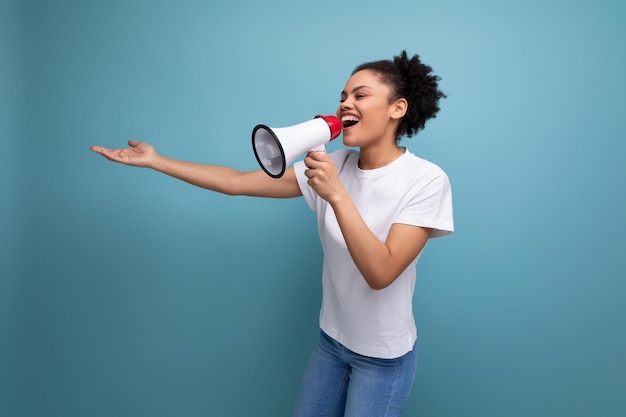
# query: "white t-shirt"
{"points": [[410, 190]]}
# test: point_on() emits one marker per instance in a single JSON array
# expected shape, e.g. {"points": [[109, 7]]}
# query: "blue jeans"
{"points": [[338, 382]]}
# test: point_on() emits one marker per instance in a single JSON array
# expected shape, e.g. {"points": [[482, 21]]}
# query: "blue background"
{"points": [[127, 293]]}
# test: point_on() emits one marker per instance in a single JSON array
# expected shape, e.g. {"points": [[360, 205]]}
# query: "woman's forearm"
{"points": [[228, 180], [380, 263], [212, 177]]}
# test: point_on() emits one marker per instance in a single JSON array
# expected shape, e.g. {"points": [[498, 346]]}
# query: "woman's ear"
{"points": [[399, 108]]}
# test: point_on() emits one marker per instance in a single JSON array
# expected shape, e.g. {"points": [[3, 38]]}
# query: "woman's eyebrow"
{"points": [[354, 90]]}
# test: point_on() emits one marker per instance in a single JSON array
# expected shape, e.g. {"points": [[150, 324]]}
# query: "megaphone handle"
{"points": [[320, 148]]}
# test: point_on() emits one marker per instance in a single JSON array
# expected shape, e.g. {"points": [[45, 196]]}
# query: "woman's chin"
{"points": [[350, 140]]}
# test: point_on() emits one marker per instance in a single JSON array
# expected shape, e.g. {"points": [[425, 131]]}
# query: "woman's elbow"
{"points": [[380, 282]]}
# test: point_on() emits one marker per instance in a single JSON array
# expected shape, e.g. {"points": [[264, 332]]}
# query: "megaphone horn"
{"points": [[277, 148]]}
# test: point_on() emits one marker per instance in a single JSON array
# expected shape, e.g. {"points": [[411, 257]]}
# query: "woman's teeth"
{"points": [[348, 121]]}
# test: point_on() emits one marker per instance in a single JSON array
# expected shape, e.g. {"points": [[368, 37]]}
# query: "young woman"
{"points": [[376, 209]]}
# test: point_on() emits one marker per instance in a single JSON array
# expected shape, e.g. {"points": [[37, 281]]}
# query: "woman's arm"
{"points": [[379, 262], [212, 177]]}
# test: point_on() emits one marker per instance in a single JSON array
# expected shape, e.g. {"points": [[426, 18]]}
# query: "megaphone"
{"points": [[277, 148]]}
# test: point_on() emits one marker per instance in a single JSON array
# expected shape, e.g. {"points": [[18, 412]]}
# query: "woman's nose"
{"points": [[346, 104]]}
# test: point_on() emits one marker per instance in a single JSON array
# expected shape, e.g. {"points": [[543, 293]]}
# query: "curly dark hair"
{"points": [[413, 80]]}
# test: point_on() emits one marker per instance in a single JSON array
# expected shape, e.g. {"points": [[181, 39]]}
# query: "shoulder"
{"points": [[422, 168]]}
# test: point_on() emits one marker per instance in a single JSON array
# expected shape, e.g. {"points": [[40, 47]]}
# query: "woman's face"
{"points": [[365, 111]]}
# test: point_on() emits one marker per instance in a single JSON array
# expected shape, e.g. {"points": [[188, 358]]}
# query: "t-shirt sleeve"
{"points": [[430, 206]]}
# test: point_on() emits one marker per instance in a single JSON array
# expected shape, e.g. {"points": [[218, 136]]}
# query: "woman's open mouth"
{"points": [[349, 121]]}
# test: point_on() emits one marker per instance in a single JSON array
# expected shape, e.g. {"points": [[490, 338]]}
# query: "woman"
{"points": [[376, 209]]}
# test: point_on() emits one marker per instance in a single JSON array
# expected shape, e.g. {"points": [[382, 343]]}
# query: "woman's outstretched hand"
{"points": [[139, 154]]}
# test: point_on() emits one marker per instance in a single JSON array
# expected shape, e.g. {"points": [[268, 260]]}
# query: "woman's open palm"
{"points": [[138, 154]]}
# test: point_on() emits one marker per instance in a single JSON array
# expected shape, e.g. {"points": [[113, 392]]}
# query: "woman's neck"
{"points": [[378, 156]]}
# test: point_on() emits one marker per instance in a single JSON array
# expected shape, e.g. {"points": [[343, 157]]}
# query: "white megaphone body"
{"points": [[277, 148]]}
